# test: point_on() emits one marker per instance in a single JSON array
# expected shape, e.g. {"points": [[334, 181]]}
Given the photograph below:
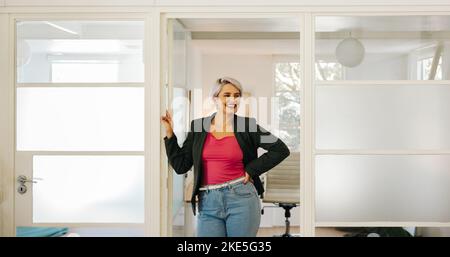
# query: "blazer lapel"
{"points": [[206, 124], [238, 130]]}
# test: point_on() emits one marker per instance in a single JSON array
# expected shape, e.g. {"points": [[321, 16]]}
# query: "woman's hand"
{"points": [[167, 122], [247, 178]]}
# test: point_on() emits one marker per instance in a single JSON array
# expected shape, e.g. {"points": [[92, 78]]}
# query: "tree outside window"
{"points": [[424, 69], [326, 70], [287, 89]]}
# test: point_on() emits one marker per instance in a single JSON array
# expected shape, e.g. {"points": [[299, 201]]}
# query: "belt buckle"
{"points": [[226, 184]]}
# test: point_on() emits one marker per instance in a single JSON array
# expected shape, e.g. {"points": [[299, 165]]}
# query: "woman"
{"points": [[223, 150]]}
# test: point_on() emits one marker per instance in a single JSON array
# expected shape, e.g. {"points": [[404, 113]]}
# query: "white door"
{"points": [[179, 103], [79, 159]]}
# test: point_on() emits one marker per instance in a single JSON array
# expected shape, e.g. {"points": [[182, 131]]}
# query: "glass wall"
{"points": [[382, 47], [82, 141], [382, 141], [59, 51]]}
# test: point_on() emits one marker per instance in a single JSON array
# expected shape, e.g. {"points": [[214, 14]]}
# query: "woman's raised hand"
{"points": [[167, 122]]}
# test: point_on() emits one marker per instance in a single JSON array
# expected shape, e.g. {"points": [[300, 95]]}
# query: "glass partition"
{"points": [[381, 132], [59, 51], [382, 47]]}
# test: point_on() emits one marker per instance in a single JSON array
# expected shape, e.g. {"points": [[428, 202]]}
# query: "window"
{"points": [[424, 69], [326, 70], [287, 86]]}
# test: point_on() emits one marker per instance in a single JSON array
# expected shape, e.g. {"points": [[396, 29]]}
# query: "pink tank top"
{"points": [[222, 160]]}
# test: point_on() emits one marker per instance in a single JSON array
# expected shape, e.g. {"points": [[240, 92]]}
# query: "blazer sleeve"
{"points": [[180, 158], [277, 151]]}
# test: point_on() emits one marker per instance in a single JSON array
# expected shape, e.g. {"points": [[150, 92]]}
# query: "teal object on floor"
{"points": [[40, 231]]}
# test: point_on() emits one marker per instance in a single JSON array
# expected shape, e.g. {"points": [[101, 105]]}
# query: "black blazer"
{"points": [[250, 137]]}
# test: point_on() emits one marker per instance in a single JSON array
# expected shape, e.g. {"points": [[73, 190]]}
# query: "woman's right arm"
{"points": [[179, 158]]}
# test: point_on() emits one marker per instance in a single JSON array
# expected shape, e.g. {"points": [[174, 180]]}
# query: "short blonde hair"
{"points": [[220, 82]]}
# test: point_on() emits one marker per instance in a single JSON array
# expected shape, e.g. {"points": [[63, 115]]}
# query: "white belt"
{"points": [[216, 186]]}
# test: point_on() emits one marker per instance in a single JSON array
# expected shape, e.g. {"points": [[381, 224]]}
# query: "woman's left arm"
{"points": [[277, 151]]}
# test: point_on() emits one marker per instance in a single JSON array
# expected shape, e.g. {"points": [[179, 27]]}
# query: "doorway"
{"points": [[263, 53]]}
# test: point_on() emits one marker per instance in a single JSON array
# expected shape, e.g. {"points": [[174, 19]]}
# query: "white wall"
{"points": [[380, 66], [253, 71]]}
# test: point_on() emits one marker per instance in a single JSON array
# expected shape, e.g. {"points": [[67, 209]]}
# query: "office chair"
{"points": [[282, 187]]}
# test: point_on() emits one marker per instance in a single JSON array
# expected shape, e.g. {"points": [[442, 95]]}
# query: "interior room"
{"points": [[360, 95], [263, 54]]}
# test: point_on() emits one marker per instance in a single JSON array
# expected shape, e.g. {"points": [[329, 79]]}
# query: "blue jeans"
{"points": [[233, 211]]}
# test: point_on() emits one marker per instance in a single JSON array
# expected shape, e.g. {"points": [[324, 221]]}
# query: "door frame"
{"points": [[7, 224], [306, 223]]}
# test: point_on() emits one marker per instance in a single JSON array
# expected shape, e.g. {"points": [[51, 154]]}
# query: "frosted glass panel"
{"points": [[180, 107], [382, 188], [80, 119], [86, 72], [80, 51], [383, 117], [85, 189]]}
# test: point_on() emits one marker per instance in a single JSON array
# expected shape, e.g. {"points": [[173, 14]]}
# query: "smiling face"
{"points": [[228, 99]]}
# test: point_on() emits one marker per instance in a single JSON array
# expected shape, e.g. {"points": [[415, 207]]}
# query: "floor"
{"points": [[320, 232], [274, 231]]}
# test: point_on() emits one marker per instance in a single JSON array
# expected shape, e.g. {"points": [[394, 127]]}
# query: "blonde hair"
{"points": [[220, 82]]}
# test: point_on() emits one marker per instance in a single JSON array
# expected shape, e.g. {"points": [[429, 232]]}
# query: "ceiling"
{"points": [[242, 25], [388, 35], [237, 35], [323, 24], [383, 23]]}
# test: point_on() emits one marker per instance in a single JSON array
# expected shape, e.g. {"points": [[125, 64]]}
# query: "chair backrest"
{"points": [[282, 183]]}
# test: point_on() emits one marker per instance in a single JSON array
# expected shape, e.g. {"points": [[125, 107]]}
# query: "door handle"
{"points": [[22, 179]]}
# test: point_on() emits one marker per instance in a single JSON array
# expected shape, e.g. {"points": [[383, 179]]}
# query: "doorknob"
{"points": [[22, 179]]}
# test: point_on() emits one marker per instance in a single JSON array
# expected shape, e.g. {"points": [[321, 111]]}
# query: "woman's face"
{"points": [[228, 99]]}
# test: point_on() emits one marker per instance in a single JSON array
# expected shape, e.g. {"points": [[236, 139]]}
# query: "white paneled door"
{"points": [[79, 112]]}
